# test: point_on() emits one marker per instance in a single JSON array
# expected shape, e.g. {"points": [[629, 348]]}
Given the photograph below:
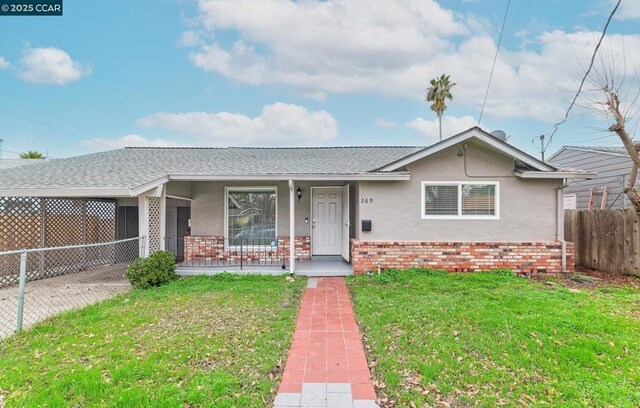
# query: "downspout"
{"points": [[560, 223], [292, 228]]}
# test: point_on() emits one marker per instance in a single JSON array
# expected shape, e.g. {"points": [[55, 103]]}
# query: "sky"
{"points": [[109, 74]]}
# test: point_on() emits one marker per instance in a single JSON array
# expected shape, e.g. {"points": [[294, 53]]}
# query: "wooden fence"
{"points": [[606, 240]]}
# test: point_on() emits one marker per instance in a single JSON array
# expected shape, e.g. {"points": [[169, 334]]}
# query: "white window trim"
{"points": [[228, 189], [459, 184]]}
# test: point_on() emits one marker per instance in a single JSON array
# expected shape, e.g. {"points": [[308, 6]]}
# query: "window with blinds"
{"points": [[478, 199], [441, 199], [472, 200]]}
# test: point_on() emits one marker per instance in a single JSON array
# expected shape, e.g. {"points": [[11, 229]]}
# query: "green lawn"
{"points": [[493, 338], [218, 341]]}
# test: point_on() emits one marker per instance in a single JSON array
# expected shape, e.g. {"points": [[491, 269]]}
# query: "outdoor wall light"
{"points": [[460, 151], [299, 193]]}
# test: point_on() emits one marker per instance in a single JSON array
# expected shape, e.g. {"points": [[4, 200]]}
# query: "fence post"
{"points": [[141, 246], [21, 285], [624, 196], [43, 236]]}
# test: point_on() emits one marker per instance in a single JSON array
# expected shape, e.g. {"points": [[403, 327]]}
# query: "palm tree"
{"points": [[32, 154], [438, 93]]}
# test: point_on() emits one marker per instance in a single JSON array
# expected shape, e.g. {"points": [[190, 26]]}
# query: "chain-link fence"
{"points": [[39, 283], [602, 193]]}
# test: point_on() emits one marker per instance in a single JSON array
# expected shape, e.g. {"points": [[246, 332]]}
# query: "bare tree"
{"points": [[614, 95]]}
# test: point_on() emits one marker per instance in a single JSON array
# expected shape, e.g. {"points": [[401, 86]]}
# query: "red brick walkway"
{"points": [[327, 366]]}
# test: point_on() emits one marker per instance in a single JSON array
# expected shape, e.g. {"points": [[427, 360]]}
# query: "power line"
{"points": [[19, 153], [591, 140], [586, 74], [495, 58], [40, 123]]}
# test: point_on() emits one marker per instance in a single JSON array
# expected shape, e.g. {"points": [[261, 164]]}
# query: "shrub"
{"points": [[155, 270]]}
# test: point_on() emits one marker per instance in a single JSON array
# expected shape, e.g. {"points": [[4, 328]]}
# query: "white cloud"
{"points": [[451, 125], [383, 123], [393, 49], [629, 10], [277, 124], [189, 39], [133, 140], [50, 66], [4, 63]]}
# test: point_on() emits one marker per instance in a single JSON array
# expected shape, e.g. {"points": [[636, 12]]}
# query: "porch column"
{"points": [[143, 225], [292, 227], [151, 222], [163, 217]]}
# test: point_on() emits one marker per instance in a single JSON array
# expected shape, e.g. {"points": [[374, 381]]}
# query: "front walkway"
{"points": [[327, 366]]}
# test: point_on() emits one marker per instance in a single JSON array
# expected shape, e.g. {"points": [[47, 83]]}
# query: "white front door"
{"points": [[326, 222]]}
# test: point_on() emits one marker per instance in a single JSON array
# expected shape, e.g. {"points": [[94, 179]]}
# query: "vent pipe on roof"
{"points": [[499, 134]]}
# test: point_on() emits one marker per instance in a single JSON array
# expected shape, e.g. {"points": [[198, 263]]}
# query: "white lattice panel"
{"points": [[570, 201], [154, 224]]}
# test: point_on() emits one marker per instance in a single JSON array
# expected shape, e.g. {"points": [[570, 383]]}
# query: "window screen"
{"points": [[478, 199], [441, 200], [251, 217]]}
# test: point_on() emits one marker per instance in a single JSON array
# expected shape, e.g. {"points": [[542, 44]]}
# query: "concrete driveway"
{"points": [[48, 297]]}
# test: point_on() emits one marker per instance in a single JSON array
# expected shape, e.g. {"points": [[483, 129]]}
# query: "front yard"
{"points": [[218, 341], [491, 339]]}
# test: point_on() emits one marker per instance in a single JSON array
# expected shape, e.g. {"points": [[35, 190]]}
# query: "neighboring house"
{"points": [[469, 202], [612, 165]]}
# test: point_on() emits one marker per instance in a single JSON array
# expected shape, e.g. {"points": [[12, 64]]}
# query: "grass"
{"points": [[203, 341], [491, 339]]}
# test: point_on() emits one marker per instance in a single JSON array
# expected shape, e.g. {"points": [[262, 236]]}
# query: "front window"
{"points": [[472, 200], [251, 216]]}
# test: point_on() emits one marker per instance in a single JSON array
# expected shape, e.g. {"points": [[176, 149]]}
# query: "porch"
{"points": [[260, 226], [330, 266]]}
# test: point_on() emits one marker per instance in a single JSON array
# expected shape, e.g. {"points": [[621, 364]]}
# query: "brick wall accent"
{"points": [[524, 258], [213, 249]]}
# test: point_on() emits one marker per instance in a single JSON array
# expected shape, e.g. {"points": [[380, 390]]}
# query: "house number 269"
{"points": [[366, 200]]}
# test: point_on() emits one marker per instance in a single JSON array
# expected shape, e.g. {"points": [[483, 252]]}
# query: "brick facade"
{"points": [[522, 257], [213, 249]]}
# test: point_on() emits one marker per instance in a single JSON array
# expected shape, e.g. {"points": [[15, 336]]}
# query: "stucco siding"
{"points": [[207, 207], [179, 188], [527, 207]]}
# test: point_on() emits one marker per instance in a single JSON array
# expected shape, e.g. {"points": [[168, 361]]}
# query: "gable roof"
{"points": [[132, 171], [472, 133], [612, 150]]}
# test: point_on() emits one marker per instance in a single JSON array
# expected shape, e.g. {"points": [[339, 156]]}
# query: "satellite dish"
{"points": [[499, 134]]}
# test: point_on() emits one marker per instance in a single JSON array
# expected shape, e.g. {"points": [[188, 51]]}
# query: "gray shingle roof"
{"points": [[11, 163], [133, 167], [603, 149]]}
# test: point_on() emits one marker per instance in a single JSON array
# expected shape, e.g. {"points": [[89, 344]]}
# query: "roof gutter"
{"points": [[556, 174], [151, 188], [65, 192], [296, 177]]}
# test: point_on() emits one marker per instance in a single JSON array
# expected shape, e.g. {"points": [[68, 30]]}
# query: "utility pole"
{"points": [[543, 148]]}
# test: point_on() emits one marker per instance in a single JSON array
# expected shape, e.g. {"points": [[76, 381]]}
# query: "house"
{"points": [[469, 202], [607, 191]]}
